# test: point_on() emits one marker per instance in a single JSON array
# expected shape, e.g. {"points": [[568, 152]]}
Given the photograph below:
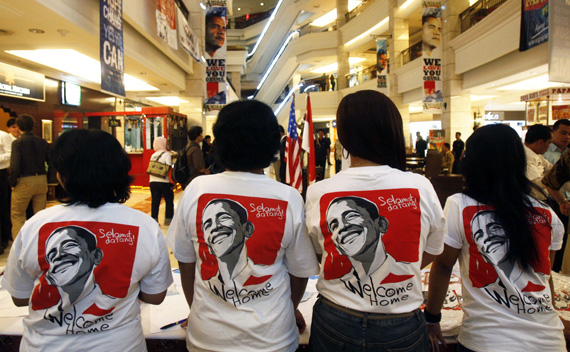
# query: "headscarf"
{"points": [[159, 144]]}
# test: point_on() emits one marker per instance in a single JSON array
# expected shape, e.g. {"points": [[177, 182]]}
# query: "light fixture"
{"points": [[309, 87], [559, 98], [239, 8], [77, 64], [406, 4], [36, 31], [415, 109], [481, 97], [365, 34], [167, 100], [260, 38], [203, 6], [276, 58], [531, 84], [334, 66], [332, 15], [261, 4]]}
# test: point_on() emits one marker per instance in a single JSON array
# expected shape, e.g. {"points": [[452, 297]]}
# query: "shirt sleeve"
{"points": [[312, 219], [556, 177], [159, 277], [557, 232], [300, 258], [7, 147], [178, 237], [434, 243], [453, 229], [16, 280]]}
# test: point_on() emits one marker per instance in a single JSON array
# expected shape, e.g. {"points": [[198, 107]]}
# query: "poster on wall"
{"points": [[431, 55], [189, 41], [559, 42], [382, 63], [436, 139], [166, 22], [215, 54], [560, 112], [534, 23], [111, 52], [19, 83]]}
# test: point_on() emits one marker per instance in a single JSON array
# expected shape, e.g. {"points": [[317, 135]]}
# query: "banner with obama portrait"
{"points": [[431, 56], [215, 54]]}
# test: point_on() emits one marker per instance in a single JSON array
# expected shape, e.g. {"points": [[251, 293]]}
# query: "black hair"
{"points": [[25, 122], [458, 133], [537, 132], [370, 126], [447, 145], [88, 236], [11, 122], [363, 203], [557, 124], [194, 132], [246, 136], [281, 129], [207, 137], [235, 206], [93, 167], [495, 174]]}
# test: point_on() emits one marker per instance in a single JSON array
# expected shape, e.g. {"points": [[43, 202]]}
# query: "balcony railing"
{"points": [[477, 12], [411, 53]]}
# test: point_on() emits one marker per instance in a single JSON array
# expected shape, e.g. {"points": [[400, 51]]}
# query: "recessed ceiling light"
{"points": [[36, 31], [261, 4], [239, 8], [4, 32]]}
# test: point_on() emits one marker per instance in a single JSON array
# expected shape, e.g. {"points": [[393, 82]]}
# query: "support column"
{"points": [[456, 115], [341, 53], [399, 41]]}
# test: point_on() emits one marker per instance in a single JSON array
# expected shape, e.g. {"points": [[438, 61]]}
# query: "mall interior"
{"points": [[277, 50]]}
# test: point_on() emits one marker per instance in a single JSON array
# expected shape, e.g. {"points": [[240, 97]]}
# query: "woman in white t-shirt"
{"points": [[505, 241], [161, 186], [374, 227], [83, 267]]}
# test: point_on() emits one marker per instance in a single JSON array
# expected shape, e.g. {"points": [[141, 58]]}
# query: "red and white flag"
{"points": [[309, 144], [293, 174]]}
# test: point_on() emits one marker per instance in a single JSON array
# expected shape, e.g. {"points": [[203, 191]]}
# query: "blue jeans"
{"points": [[334, 330]]}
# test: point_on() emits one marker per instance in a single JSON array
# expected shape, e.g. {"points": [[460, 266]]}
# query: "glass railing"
{"points": [[411, 53], [477, 12]]}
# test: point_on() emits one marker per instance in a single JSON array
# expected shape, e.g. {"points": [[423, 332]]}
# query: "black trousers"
{"points": [[157, 191], [5, 196], [557, 265]]}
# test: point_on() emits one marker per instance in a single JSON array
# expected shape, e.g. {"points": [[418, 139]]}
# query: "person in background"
{"points": [[206, 149], [337, 156], [194, 155], [536, 143], [322, 153], [241, 243], [458, 147], [505, 241], [421, 145], [448, 158], [161, 187], [27, 173], [559, 144], [332, 81], [372, 225], [6, 140], [83, 266]]}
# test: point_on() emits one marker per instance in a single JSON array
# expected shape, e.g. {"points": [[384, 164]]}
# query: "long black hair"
{"points": [[370, 126], [494, 167]]}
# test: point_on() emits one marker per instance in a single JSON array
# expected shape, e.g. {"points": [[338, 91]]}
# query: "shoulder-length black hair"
{"points": [[246, 136], [370, 126], [93, 167], [494, 167]]}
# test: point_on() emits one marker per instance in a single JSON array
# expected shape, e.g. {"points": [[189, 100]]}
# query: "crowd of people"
{"points": [[246, 244]]}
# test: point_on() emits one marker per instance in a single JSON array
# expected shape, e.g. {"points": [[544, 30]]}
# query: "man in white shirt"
{"points": [[6, 140], [536, 143]]}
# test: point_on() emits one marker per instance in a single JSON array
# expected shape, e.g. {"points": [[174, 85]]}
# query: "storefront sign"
{"points": [[491, 116], [382, 63], [534, 23], [431, 56], [215, 54], [544, 93], [559, 42], [111, 51], [20, 83]]}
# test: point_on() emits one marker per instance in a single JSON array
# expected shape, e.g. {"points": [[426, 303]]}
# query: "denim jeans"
{"points": [[461, 348], [333, 330]]}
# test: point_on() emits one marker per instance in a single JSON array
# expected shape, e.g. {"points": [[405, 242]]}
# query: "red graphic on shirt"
{"points": [[349, 212], [67, 259], [238, 226], [482, 273]]}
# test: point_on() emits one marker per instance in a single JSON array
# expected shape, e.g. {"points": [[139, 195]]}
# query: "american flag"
{"points": [[293, 152]]}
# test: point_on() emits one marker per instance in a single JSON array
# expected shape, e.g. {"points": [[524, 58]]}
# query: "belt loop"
{"points": [[365, 320]]}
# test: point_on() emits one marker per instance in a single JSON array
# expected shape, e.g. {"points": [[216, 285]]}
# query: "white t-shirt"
{"points": [[506, 308], [242, 301], [165, 158], [84, 284], [372, 225]]}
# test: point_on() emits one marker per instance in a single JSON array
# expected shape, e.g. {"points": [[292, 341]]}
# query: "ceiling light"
{"points": [[36, 31], [77, 64], [276, 58], [408, 3], [261, 4], [239, 8], [267, 24], [334, 66], [167, 100], [482, 97], [532, 84], [332, 15], [415, 109], [365, 34]]}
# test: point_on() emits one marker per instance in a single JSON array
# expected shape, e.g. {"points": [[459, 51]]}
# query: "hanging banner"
{"points": [[559, 42], [111, 46], [431, 56], [382, 63], [436, 139], [215, 53], [534, 23], [189, 41], [166, 22]]}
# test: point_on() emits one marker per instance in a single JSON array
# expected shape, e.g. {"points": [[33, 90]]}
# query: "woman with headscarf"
{"points": [[161, 187]]}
